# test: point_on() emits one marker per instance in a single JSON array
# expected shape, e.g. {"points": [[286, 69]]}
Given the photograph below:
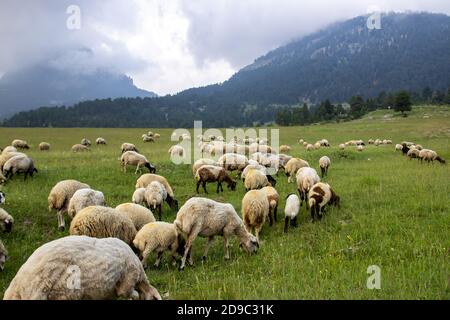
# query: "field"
{"points": [[395, 213]]}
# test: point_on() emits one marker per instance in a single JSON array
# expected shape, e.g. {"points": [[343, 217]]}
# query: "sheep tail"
{"points": [[311, 202], [197, 176]]}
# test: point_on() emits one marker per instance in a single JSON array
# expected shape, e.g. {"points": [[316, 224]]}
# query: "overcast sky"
{"points": [[169, 45]]}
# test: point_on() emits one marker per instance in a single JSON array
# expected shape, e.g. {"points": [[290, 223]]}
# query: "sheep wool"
{"points": [[79, 148], [100, 141], [320, 195], [291, 211], [155, 194], [138, 214], [5, 156], [106, 269], [9, 149], [83, 198], [138, 196], [273, 197], [200, 162], [233, 161], [3, 255], [44, 146], [135, 159], [255, 179], [292, 166], [255, 209], [306, 178], [324, 164], [128, 147], [146, 179], [20, 144], [211, 173], [19, 164], [6, 221]]}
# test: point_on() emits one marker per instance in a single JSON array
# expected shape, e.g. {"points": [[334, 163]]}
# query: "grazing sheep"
{"points": [[301, 141], [306, 178], [100, 141], [128, 147], [413, 153], [159, 237], [103, 222], [305, 144], [285, 148], [207, 218], [320, 195], [44, 146], [157, 136], [147, 138], [210, 173], [79, 148], [138, 214], [324, 164], [251, 166], [136, 159], [19, 164], [60, 196], [273, 197], [398, 147], [342, 146], [292, 167], [9, 149], [255, 209], [317, 146], [371, 141], [430, 156], [176, 150], [3, 255], [360, 147], [83, 198], [146, 179], [283, 159], [5, 156], [155, 194], [233, 161], [20, 144], [255, 179], [200, 162], [138, 196], [106, 269], [86, 142], [310, 147], [324, 143], [6, 221], [291, 211]]}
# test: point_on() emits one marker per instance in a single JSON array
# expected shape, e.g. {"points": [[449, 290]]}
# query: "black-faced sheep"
{"points": [[128, 147], [429, 156], [85, 142], [6, 221], [211, 173], [100, 141], [320, 195], [19, 164], [20, 144], [136, 159]]}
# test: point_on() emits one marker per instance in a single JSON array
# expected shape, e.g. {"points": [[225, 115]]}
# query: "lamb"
{"points": [[103, 222], [79, 148], [20, 144], [306, 178], [136, 159], [429, 156], [3, 255], [207, 218], [360, 147], [128, 147], [83, 198], [210, 173], [200, 162], [255, 209], [176, 150], [159, 237], [138, 214], [292, 167], [273, 197], [324, 164], [60, 196], [155, 194], [233, 161], [320, 195], [285, 148], [138, 196], [81, 268], [44, 146], [19, 164], [342, 146], [146, 179], [86, 142], [100, 141], [255, 179], [291, 211], [6, 221]]}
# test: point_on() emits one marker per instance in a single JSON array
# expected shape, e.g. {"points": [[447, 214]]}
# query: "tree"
{"points": [[402, 102], [306, 115], [357, 107]]}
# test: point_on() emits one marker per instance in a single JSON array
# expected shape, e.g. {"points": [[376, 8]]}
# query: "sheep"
{"points": [[324, 143], [79, 148], [200, 162], [128, 147], [81, 268], [360, 148], [19, 164], [138, 196], [320, 195], [3, 255], [317, 145], [159, 237], [44, 146], [233, 161], [310, 147], [255, 209], [103, 222], [138, 214], [207, 218], [100, 141], [85, 142], [210, 173], [5, 156], [83, 198], [292, 167], [60, 196], [305, 144], [324, 164], [342, 146], [283, 159], [371, 141], [157, 136], [429, 156], [301, 141], [135, 159], [273, 197], [306, 178], [9, 149], [398, 147], [176, 150], [147, 138], [285, 148], [146, 179], [291, 211], [251, 166], [6, 221], [412, 153], [20, 144], [155, 194], [255, 179]]}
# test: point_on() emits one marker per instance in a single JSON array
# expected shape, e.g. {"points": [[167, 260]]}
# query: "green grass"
{"points": [[395, 213]]}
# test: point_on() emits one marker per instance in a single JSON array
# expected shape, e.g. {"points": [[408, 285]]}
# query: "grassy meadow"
{"points": [[395, 212]]}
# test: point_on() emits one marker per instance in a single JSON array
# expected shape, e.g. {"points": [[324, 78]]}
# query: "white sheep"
{"points": [[100, 141], [207, 218], [5, 156], [176, 151], [342, 146], [83, 198], [398, 147], [60, 196], [81, 268], [155, 194], [135, 159], [138, 196], [285, 148], [138, 214], [6, 221], [233, 161], [306, 178], [147, 178], [3, 255], [20, 144], [324, 164], [80, 148], [291, 211], [44, 146], [200, 162], [292, 167], [273, 197], [320, 195], [19, 164], [128, 147], [251, 166], [85, 142], [360, 147], [9, 149], [255, 179], [430, 156], [255, 209]]}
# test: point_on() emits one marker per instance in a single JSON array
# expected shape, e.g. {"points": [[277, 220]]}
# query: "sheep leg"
{"points": [[275, 212], [198, 185], [313, 215], [61, 222], [173, 252], [270, 217], [158, 259], [124, 167], [188, 247], [218, 187], [208, 245], [286, 224], [226, 244], [204, 186], [137, 168], [258, 231], [294, 222]]}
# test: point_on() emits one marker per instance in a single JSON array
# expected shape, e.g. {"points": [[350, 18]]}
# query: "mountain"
{"points": [[410, 52], [43, 85]]}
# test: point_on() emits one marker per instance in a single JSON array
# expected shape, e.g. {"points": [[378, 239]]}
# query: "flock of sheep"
{"points": [[109, 247]]}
